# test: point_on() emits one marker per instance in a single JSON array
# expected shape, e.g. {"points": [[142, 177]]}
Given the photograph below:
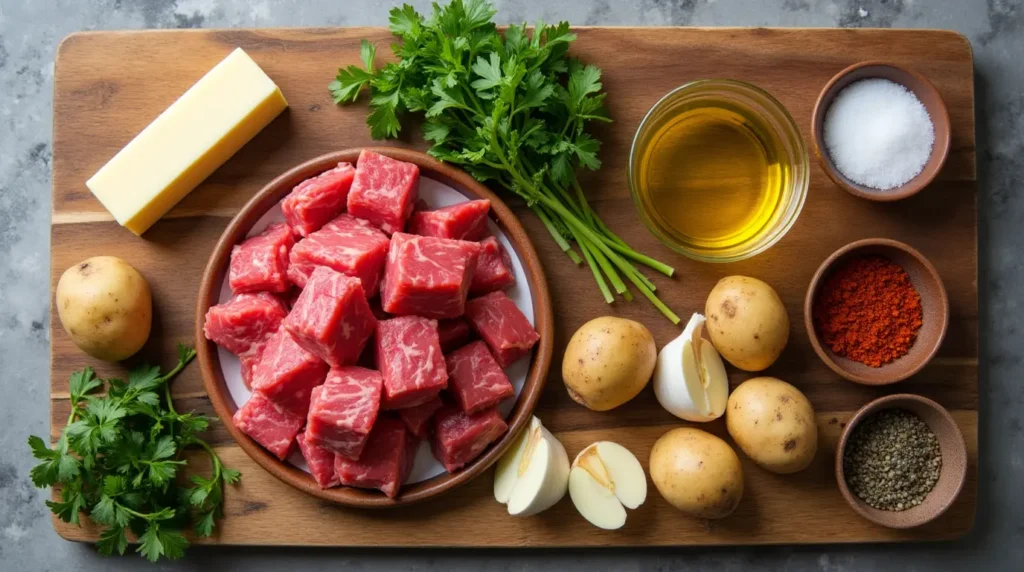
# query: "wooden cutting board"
{"points": [[109, 85]]}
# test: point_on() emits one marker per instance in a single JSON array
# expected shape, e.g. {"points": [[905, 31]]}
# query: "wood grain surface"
{"points": [[109, 85]]}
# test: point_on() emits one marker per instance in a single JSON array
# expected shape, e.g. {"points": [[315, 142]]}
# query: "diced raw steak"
{"points": [[249, 360], [315, 201], [460, 437], [417, 418], [493, 268], [287, 373], [453, 333], [410, 360], [268, 424], [386, 460], [475, 379], [245, 320], [261, 262], [463, 221], [343, 410], [384, 191], [427, 276], [320, 462], [348, 245], [331, 318], [499, 322]]}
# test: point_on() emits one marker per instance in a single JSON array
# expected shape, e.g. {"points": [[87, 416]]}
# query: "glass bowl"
{"points": [[768, 122]]}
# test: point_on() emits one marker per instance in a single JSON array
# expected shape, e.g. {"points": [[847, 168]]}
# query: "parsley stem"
{"points": [[601, 284], [566, 248]]}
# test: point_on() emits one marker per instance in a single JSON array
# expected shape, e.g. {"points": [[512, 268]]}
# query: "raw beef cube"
{"points": [[346, 244], [383, 191], [243, 321], [417, 418], [315, 201], [453, 333], [261, 262], [249, 360], [268, 424], [410, 360], [475, 379], [493, 268], [386, 460], [331, 318], [320, 462], [464, 221], [460, 437], [427, 276], [343, 410], [500, 323], [287, 373]]}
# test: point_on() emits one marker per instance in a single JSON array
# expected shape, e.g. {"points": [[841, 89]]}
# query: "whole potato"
{"points": [[608, 361], [747, 322], [697, 472], [773, 423], [106, 307]]}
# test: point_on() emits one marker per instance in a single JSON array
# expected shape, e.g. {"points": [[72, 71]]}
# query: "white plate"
{"points": [[436, 195]]}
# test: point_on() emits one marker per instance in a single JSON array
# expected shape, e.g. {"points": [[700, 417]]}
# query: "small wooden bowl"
{"points": [[919, 86], [951, 476], [209, 361], [934, 307]]}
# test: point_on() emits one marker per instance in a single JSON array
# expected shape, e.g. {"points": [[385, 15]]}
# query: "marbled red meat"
{"points": [[343, 410], [475, 379], [409, 357], [417, 418], [317, 200], [268, 424], [493, 268], [260, 263], [286, 372], [460, 437], [453, 333], [331, 318], [320, 462], [348, 245], [502, 325], [243, 321], [427, 276], [383, 191], [386, 460], [462, 221]]}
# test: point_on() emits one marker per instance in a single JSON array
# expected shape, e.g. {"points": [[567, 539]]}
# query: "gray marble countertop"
{"points": [[30, 31]]}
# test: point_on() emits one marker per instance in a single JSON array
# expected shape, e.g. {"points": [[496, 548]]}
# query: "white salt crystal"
{"points": [[878, 133]]}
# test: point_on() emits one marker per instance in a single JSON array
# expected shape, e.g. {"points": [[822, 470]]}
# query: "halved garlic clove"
{"points": [[534, 474], [689, 379], [605, 480]]}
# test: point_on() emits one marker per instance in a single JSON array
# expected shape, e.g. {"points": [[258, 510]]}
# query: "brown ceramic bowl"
{"points": [[951, 476], [919, 86], [934, 307], [225, 406]]}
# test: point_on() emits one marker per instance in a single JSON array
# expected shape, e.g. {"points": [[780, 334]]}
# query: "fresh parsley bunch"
{"points": [[118, 458], [511, 109]]}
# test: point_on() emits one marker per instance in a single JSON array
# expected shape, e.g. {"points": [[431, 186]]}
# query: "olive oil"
{"points": [[711, 176]]}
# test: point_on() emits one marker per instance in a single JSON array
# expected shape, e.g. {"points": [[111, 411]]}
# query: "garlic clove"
{"points": [[507, 469], [605, 479], [534, 474], [690, 378]]}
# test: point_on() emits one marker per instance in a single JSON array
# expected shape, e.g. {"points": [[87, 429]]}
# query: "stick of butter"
{"points": [[187, 142]]}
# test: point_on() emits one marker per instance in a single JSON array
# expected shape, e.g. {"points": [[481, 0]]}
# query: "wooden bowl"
{"points": [[934, 307], [919, 86], [951, 476], [209, 361]]}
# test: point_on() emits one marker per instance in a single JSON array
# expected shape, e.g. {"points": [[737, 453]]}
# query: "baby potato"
{"points": [[106, 307], [773, 423], [608, 361], [697, 473], [747, 322]]}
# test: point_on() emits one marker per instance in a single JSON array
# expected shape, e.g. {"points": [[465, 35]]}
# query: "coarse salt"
{"points": [[878, 133]]}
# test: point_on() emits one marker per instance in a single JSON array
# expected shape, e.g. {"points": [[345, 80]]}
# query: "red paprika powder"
{"points": [[868, 311]]}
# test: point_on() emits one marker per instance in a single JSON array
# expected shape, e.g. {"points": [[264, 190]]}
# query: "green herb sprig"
{"points": [[510, 109], [118, 459]]}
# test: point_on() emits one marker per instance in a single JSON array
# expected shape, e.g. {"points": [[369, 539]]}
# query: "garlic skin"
{"points": [[534, 474], [689, 378], [605, 480]]}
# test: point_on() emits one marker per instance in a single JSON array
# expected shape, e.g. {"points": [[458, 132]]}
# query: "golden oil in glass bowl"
{"points": [[718, 170]]}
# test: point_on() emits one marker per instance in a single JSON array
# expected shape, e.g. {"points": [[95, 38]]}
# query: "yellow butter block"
{"points": [[187, 142]]}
